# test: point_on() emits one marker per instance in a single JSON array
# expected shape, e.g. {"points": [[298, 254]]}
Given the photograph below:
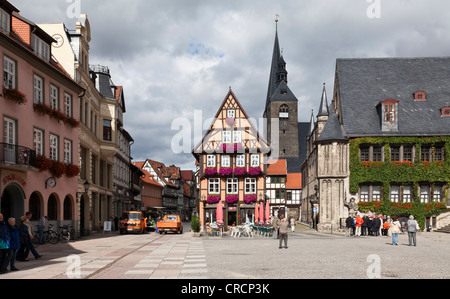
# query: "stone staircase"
{"points": [[443, 223], [445, 229]]}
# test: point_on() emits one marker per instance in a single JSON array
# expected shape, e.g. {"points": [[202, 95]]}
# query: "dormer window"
{"points": [[5, 21], [388, 110], [40, 47], [445, 111], [420, 95]]}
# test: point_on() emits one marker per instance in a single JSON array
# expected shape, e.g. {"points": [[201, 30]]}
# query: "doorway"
{"points": [[12, 202]]}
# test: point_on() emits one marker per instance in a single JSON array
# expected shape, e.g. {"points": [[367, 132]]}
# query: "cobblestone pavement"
{"points": [[183, 256]]}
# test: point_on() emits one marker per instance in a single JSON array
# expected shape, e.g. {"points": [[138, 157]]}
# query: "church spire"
{"points": [[323, 111]]}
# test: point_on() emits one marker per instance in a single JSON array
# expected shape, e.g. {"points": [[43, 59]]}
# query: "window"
{"points": [[424, 193], [41, 48], [226, 136], [389, 112], [376, 193], [364, 193], [420, 96], [439, 153], [210, 161], [225, 161], [53, 147], [377, 153], [240, 160], [254, 160], [38, 90], [38, 140], [407, 193], [284, 111], [106, 130], [213, 186], [250, 186], [365, 153], [425, 153], [5, 21], [395, 153], [67, 104], [395, 193], [54, 97], [67, 151], [445, 111], [237, 136], [232, 186], [407, 153], [9, 72], [231, 113], [437, 193]]}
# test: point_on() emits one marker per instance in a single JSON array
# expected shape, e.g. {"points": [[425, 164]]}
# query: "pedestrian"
{"points": [[385, 228], [349, 226], [275, 226], [283, 226], [33, 250], [41, 226], [376, 224], [395, 229], [389, 222], [292, 224], [359, 222], [14, 243], [25, 241], [413, 226], [364, 225], [4, 245]]}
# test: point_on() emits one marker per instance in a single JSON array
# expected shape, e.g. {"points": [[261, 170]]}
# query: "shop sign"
{"points": [[13, 178]]}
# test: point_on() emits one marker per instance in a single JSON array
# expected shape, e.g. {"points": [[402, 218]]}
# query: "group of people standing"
{"points": [[379, 225], [15, 242]]}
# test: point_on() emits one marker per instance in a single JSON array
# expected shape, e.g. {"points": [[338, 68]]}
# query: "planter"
{"points": [[13, 94]]}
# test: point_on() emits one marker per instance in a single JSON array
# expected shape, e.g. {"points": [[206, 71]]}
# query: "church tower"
{"points": [[281, 107]]}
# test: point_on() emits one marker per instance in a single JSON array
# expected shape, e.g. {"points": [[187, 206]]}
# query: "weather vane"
{"points": [[276, 19]]}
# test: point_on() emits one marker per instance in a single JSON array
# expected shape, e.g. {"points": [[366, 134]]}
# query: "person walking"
{"points": [[292, 224], [14, 243], [413, 226], [41, 226], [283, 226], [4, 245], [395, 229], [275, 226], [349, 226]]}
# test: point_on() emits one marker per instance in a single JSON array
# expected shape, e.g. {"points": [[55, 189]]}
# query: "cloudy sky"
{"points": [[174, 57]]}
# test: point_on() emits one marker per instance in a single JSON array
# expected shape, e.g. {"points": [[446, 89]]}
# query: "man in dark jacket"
{"points": [[349, 226], [376, 225]]}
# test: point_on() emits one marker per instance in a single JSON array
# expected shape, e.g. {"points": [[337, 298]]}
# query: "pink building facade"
{"points": [[39, 109]]}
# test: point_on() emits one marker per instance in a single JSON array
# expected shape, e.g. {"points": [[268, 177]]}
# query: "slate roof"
{"points": [[363, 83]]}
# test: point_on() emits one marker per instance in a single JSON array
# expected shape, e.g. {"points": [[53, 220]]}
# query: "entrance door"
{"points": [[12, 202], [9, 133]]}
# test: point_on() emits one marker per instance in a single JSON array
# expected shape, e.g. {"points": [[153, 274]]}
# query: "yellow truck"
{"points": [[170, 223], [132, 221]]}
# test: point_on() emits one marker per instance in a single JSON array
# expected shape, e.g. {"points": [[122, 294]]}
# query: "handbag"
{"points": [[3, 244]]}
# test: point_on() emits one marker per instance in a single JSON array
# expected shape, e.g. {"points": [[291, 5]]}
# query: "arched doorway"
{"points": [[68, 208], [35, 206], [12, 202], [52, 207]]}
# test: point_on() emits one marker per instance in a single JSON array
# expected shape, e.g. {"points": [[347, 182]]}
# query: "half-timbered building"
{"points": [[232, 165]]}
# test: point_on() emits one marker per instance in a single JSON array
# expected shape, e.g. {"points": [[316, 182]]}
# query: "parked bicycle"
{"points": [[62, 235], [45, 238]]}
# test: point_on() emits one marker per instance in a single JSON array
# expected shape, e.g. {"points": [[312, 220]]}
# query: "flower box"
{"points": [[43, 109], [231, 147], [250, 198], [239, 171], [226, 171], [72, 170], [255, 171], [213, 198], [13, 94], [57, 169], [231, 199], [210, 171]]}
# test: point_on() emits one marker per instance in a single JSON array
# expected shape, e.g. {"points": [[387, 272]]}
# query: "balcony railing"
{"points": [[17, 155]]}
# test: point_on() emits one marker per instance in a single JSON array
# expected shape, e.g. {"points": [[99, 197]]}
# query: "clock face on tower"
{"points": [[51, 182], [283, 125]]}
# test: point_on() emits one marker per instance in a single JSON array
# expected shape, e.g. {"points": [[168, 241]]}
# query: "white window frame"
{"points": [[226, 136], [67, 151], [231, 113], [376, 193], [407, 193], [424, 193], [254, 160], [9, 72], [364, 193], [395, 193], [250, 186], [214, 186], [240, 160], [54, 97], [68, 104], [437, 193], [225, 161], [54, 148], [237, 136], [211, 161], [232, 186], [38, 140], [38, 89]]}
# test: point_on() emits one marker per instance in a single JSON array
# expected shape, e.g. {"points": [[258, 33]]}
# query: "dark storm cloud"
{"points": [[176, 56]]}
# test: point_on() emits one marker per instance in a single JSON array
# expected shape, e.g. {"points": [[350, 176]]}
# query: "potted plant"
{"points": [[15, 95], [195, 226], [232, 199]]}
